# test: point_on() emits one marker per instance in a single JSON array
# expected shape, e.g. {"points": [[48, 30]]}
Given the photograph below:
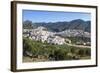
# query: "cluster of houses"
{"points": [[75, 33], [41, 34]]}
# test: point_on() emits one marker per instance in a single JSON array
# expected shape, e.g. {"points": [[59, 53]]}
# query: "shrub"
{"points": [[88, 52]]}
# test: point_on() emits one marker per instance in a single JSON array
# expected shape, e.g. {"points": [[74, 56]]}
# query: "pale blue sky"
{"points": [[52, 16]]}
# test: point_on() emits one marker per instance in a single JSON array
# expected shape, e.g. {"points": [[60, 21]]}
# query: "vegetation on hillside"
{"points": [[39, 51], [74, 40], [78, 24]]}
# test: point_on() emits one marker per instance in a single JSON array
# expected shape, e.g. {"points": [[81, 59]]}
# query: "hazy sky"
{"points": [[51, 16]]}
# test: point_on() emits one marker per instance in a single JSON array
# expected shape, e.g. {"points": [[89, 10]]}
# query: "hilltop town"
{"points": [[43, 35]]}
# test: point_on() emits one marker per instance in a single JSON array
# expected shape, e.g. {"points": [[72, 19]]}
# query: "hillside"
{"points": [[62, 26], [56, 41]]}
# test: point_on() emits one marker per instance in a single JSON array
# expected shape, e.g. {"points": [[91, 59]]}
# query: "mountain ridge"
{"points": [[77, 24]]}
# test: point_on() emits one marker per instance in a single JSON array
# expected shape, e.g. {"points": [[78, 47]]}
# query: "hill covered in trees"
{"points": [[77, 24]]}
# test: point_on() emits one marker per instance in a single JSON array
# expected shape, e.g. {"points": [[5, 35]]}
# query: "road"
{"points": [[81, 46]]}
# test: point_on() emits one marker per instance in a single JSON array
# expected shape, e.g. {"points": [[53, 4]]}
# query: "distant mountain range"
{"points": [[77, 24]]}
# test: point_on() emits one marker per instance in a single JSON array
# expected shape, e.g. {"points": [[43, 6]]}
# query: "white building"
{"points": [[56, 40]]}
